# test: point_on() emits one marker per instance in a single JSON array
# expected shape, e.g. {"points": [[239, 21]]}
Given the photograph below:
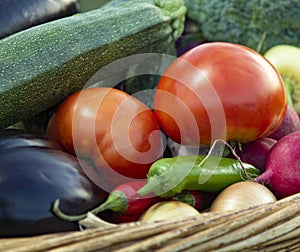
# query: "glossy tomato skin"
{"points": [[117, 131], [31, 179], [220, 90]]}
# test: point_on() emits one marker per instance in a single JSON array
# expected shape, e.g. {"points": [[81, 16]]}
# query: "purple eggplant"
{"points": [[16, 15], [31, 179], [10, 139]]}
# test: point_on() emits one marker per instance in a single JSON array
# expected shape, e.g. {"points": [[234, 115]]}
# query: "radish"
{"points": [[291, 123], [282, 173], [256, 152]]}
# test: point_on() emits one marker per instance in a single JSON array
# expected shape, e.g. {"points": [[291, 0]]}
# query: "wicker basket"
{"points": [[268, 227]]}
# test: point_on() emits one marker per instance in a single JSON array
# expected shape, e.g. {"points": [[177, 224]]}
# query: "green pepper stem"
{"points": [[116, 201], [153, 186], [186, 197]]}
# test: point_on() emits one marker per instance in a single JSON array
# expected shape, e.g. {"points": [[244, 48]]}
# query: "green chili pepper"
{"points": [[168, 176]]}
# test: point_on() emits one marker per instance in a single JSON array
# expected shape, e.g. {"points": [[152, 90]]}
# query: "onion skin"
{"points": [[168, 210], [242, 195]]}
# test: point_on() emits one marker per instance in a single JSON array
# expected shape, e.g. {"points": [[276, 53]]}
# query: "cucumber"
{"points": [[42, 65]]}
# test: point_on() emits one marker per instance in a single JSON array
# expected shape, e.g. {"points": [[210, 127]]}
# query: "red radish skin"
{"points": [[291, 123], [282, 173], [256, 152]]}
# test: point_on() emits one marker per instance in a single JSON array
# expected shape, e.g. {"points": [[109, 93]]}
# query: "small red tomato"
{"points": [[119, 133], [220, 90]]}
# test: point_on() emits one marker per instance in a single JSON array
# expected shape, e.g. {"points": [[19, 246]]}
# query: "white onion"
{"points": [[242, 195], [168, 210]]}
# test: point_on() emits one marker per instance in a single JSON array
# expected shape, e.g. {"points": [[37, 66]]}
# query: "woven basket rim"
{"points": [[268, 227]]}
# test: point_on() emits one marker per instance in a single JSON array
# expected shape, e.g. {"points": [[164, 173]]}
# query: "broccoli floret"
{"points": [[247, 22]]}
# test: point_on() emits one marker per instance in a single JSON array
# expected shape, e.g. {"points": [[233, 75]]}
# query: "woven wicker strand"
{"points": [[269, 227], [212, 230], [238, 235], [82, 239]]}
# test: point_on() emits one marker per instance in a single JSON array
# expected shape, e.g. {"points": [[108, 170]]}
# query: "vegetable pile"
{"points": [[80, 147]]}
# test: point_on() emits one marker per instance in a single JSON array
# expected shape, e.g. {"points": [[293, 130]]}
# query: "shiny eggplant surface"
{"points": [[17, 15], [31, 179], [11, 139]]}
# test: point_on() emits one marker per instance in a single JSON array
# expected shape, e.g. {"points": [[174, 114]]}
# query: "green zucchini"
{"points": [[42, 65]]}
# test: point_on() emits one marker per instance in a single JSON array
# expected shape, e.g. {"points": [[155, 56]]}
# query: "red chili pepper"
{"points": [[198, 199], [123, 200], [120, 218]]}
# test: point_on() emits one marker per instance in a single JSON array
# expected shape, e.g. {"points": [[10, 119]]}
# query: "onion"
{"points": [[168, 210], [242, 195]]}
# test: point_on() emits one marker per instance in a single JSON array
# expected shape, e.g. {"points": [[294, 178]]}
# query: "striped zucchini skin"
{"points": [[41, 66]]}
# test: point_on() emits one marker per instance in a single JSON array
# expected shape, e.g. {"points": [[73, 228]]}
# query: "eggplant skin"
{"points": [[31, 179], [16, 15], [11, 139]]}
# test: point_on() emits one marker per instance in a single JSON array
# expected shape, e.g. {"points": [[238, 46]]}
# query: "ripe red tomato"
{"points": [[220, 90], [117, 131]]}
